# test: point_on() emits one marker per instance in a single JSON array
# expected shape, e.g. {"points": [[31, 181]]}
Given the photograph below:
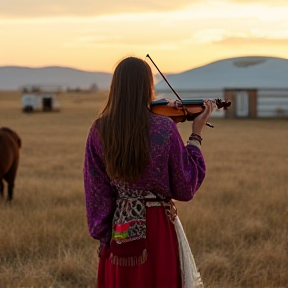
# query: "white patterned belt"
{"points": [[152, 200]]}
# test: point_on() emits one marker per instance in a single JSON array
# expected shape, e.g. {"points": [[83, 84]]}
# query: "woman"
{"points": [[135, 163]]}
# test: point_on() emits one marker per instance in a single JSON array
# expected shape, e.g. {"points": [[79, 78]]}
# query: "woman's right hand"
{"points": [[201, 120]]}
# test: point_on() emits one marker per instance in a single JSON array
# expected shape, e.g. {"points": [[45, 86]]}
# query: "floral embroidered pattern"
{"points": [[170, 173]]}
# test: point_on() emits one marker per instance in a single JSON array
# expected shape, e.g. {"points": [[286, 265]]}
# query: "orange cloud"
{"points": [[76, 8], [238, 41], [268, 3]]}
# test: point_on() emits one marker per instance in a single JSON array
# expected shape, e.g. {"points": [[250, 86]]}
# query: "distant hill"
{"points": [[14, 77], [241, 72]]}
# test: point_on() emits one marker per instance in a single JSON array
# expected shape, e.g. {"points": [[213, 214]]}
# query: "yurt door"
{"points": [[242, 104]]}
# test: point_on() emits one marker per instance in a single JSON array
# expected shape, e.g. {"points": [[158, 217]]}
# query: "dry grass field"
{"points": [[237, 224]]}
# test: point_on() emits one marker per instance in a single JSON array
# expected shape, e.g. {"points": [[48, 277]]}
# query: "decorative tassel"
{"points": [[129, 261]]}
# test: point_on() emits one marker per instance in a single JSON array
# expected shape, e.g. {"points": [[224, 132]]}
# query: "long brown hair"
{"points": [[123, 123]]}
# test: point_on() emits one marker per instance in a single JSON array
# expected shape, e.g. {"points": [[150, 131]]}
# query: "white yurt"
{"points": [[257, 86]]}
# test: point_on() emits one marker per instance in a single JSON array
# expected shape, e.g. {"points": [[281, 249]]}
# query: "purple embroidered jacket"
{"points": [[175, 171]]}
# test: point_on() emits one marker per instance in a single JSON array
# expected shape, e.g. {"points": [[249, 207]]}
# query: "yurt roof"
{"points": [[254, 72]]}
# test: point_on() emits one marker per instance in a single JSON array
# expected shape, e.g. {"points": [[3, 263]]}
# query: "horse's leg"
{"points": [[1, 188], [10, 191], [10, 178]]}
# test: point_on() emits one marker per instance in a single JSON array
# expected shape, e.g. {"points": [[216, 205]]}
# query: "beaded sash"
{"points": [[128, 241], [129, 221]]}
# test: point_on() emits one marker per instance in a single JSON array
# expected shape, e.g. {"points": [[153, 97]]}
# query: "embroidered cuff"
{"points": [[194, 143]]}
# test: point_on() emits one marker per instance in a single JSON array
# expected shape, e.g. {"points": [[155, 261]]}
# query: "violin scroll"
{"points": [[222, 104]]}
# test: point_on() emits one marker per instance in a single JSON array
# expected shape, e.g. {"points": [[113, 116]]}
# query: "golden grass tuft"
{"points": [[237, 223]]}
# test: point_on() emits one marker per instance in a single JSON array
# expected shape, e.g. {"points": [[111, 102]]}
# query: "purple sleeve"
{"points": [[187, 167], [100, 202]]}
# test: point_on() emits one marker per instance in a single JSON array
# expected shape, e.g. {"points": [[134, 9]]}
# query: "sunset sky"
{"points": [[178, 35]]}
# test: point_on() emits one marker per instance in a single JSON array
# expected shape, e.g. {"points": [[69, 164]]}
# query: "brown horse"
{"points": [[10, 144]]}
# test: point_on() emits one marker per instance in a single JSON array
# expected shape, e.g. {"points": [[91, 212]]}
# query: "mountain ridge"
{"points": [[245, 71], [52, 66], [14, 77]]}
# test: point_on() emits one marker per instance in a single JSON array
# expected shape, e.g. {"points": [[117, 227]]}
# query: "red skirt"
{"points": [[162, 268]]}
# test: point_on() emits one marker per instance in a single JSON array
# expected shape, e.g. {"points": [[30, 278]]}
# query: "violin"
{"points": [[186, 109], [182, 110]]}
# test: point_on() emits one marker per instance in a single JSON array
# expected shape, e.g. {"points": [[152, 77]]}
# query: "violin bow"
{"points": [[165, 79]]}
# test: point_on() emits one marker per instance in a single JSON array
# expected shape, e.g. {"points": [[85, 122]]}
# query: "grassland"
{"points": [[237, 224]]}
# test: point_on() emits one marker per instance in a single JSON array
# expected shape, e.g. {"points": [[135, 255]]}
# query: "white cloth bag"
{"points": [[190, 276]]}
